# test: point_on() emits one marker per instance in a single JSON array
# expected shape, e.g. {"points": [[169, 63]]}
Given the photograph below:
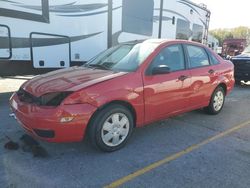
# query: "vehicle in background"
{"points": [[233, 47], [242, 66], [126, 86], [212, 42], [219, 50], [44, 35]]}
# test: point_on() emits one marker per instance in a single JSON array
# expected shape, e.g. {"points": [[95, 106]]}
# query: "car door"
{"points": [[166, 93], [203, 75]]}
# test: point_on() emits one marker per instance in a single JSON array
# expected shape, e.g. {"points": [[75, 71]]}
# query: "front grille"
{"points": [[49, 99], [26, 97]]}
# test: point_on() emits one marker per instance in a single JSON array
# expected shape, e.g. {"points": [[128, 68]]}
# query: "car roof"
{"points": [[159, 41], [163, 41]]}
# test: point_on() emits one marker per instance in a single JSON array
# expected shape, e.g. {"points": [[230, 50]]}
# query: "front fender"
{"points": [[128, 89]]}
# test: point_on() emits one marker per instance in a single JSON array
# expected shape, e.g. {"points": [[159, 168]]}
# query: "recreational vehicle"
{"points": [[49, 34]]}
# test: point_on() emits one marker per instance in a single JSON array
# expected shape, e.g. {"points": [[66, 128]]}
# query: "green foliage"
{"points": [[238, 33]]}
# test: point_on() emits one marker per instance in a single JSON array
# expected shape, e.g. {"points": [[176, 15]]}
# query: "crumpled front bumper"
{"points": [[44, 123]]}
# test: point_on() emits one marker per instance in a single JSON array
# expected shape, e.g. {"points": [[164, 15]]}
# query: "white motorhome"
{"points": [[56, 34]]}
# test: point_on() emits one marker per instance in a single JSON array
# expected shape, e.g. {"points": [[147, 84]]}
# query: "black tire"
{"points": [[212, 108], [96, 129]]}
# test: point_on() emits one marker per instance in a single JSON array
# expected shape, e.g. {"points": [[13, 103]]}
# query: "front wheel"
{"points": [[216, 101], [111, 128]]}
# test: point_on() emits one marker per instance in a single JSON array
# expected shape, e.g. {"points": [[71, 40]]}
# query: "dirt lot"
{"points": [[190, 150]]}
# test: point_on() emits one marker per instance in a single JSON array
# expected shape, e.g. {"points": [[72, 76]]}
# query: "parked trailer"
{"points": [[233, 47], [40, 35]]}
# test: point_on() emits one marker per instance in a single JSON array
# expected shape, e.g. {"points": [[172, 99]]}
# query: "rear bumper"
{"points": [[44, 122]]}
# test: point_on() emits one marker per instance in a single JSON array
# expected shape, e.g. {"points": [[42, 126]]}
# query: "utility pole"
{"points": [[160, 19]]}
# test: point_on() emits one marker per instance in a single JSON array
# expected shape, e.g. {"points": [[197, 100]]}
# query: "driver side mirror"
{"points": [[160, 69]]}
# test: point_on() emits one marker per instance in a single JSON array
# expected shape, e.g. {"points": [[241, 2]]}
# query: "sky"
{"points": [[227, 13]]}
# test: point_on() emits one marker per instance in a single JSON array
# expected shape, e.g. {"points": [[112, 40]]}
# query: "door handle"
{"points": [[183, 77], [211, 71]]}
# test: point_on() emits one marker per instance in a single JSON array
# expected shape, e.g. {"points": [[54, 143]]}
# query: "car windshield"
{"points": [[247, 50], [123, 58]]}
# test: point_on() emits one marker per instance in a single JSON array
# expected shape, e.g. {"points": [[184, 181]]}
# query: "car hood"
{"points": [[70, 79]]}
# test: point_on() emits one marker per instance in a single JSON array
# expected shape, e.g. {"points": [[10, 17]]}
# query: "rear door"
{"points": [[204, 75], [168, 93]]}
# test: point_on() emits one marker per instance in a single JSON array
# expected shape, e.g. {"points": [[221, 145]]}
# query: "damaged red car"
{"points": [[126, 86]]}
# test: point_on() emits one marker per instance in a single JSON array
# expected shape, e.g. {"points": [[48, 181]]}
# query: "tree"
{"points": [[238, 32]]}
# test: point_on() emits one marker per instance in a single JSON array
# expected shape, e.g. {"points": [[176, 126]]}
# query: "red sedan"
{"points": [[126, 86]]}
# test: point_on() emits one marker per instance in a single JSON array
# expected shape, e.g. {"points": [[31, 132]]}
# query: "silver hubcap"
{"points": [[115, 129], [218, 100]]}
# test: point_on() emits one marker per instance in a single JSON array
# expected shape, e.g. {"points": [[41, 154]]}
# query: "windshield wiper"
{"points": [[100, 66]]}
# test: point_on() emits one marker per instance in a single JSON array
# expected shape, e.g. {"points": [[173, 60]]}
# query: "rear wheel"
{"points": [[216, 101], [111, 128]]}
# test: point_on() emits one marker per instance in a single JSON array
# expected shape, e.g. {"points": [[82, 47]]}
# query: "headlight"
{"points": [[53, 99]]}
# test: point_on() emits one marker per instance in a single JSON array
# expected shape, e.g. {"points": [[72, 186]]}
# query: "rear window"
{"points": [[213, 59]]}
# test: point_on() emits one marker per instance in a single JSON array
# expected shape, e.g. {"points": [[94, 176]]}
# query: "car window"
{"points": [[213, 59], [171, 56], [197, 56]]}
